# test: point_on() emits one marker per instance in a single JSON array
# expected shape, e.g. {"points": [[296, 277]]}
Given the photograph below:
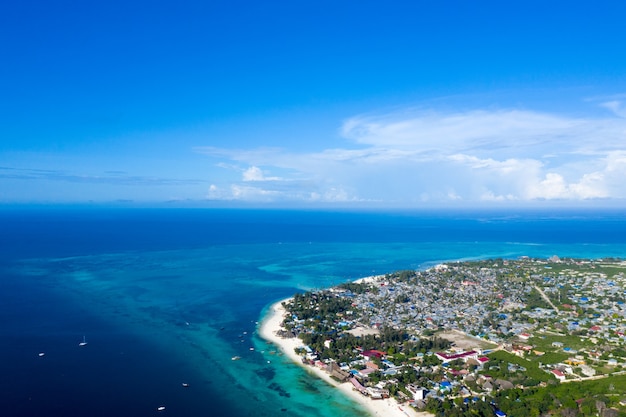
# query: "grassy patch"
{"points": [[504, 358], [552, 358], [544, 343]]}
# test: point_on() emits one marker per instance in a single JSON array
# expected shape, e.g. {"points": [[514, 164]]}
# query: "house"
{"points": [[447, 357], [587, 370], [419, 393], [558, 374], [364, 373], [445, 386], [377, 393], [373, 353], [503, 384]]}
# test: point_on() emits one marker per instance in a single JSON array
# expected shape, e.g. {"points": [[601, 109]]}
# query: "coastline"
{"points": [[271, 324]]}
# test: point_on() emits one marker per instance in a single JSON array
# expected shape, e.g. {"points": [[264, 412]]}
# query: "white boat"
{"points": [[161, 408], [41, 354], [236, 358], [185, 385], [83, 343]]}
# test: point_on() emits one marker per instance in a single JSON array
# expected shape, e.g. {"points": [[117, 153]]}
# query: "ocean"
{"points": [[166, 297]]}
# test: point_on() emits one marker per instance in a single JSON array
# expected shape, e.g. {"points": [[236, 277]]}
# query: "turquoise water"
{"points": [[170, 297]]}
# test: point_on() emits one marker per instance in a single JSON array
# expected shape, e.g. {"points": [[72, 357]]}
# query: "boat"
{"points": [[83, 343], [41, 354], [235, 358], [185, 385], [161, 408]]}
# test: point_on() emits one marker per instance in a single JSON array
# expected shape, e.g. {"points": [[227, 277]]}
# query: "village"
{"points": [[501, 336]]}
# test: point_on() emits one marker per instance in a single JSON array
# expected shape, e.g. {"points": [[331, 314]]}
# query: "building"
{"points": [[464, 356], [419, 393], [336, 372], [558, 374]]}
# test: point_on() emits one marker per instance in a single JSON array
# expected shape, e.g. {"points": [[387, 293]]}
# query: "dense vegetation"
{"points": [[394, 342]]}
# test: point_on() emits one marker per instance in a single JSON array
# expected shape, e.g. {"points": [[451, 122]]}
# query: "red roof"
{"points": [[373, 352], [456, 355], [357, 384]]}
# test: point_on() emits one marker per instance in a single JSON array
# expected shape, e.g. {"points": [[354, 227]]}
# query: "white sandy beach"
{"points": [[387, 407]]}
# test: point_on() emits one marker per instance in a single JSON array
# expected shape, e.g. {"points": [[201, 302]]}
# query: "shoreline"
{"points": [[271, 324]]}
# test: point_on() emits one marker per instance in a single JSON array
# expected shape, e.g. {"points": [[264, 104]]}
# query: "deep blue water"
{"points": [[169, 296]]}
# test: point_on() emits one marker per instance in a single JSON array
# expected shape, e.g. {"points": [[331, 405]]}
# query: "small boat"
{"points": [[235, 358], [161, 408], [41, 354], [83, 343], [185, 385]]}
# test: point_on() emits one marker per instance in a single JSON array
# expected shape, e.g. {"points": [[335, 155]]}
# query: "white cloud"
{"points": [[238, 192], [216, 193], [479, 155], [252, 193], [255, 173], [616, 106], [554, 186], [508, 132]]}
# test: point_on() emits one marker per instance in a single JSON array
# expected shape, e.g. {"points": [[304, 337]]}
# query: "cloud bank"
{"points": [[413, 156]]}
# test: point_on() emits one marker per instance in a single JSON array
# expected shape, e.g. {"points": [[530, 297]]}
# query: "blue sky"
{"points": [[403, 104]]}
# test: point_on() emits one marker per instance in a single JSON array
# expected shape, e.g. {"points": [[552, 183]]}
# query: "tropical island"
{"points": [[525, 337]]}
